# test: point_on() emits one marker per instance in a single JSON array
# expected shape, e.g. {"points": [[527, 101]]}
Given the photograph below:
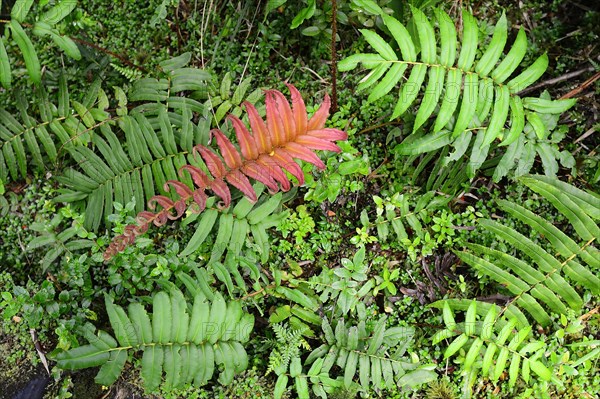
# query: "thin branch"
{"points": [[558, 79]]}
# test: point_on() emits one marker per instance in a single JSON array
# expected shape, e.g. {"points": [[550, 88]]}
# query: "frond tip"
{"points": [[266, 151]]}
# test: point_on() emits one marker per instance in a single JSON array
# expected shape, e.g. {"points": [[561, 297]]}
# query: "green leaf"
{"points": [[353, 60], [402, 37], [304, 14], [499, 115], [426, 36], [538, 125], [82, 357], [122, 326], [543, 106], [392, 77], [110, 371], [280, 386], [5, 74], [470, 319], [529, 75], [410, 90], [432, 96], [469, 42], [161, 320], [468, 104], [369, 6], [59, 12], [152, 363], [416, 144], [512, 60], [302, 387], [492, 54], [20, 10], [379, 44], [456, 345], [448, 41], [30, 56]]}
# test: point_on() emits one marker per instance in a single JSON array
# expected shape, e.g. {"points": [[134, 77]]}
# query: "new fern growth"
{"points": [[264, 155]]}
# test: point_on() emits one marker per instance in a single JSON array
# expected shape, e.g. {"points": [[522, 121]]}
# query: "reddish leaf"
{"points": [[318, 119], [272, 168], [213, 162], [261, 135], [245, 140], [256, 172], [220, 188], [288, 163], [264, 155], [237, 179], [286, 116], [316, 143], [295, 150], [181, 189], [229, 153], [200, 198], [329, 134], [299, 110], [198, 176], [274, 122], [161, 200]]}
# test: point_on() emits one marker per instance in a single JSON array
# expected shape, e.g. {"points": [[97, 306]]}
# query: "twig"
{"points": [[558, 79], [586, 135], [582, 87]]}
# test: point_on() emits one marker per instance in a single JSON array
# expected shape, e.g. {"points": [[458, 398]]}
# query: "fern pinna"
{"points": [[264, 155]]}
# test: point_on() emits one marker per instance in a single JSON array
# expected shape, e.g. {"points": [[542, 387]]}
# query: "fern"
{"points": [[184, 343], [128, 73], [263, 156], [159, 136], [544, 278], [487, 100], [490, 343], [373, 357], [549, 280], [45, 25], [287, 346]]}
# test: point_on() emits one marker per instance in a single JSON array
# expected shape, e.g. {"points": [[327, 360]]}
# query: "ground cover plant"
{"points": [[299, 199]]}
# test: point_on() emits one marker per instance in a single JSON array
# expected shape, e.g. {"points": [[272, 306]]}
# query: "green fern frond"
{"points": [[472, 96], [159, 133], [24, 139], [547, 280], [374, 357], [180, 343], [129, 73], [288, 342], [490, 344]]}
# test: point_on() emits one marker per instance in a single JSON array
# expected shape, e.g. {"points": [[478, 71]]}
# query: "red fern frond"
{"points": [[264, 154]]}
